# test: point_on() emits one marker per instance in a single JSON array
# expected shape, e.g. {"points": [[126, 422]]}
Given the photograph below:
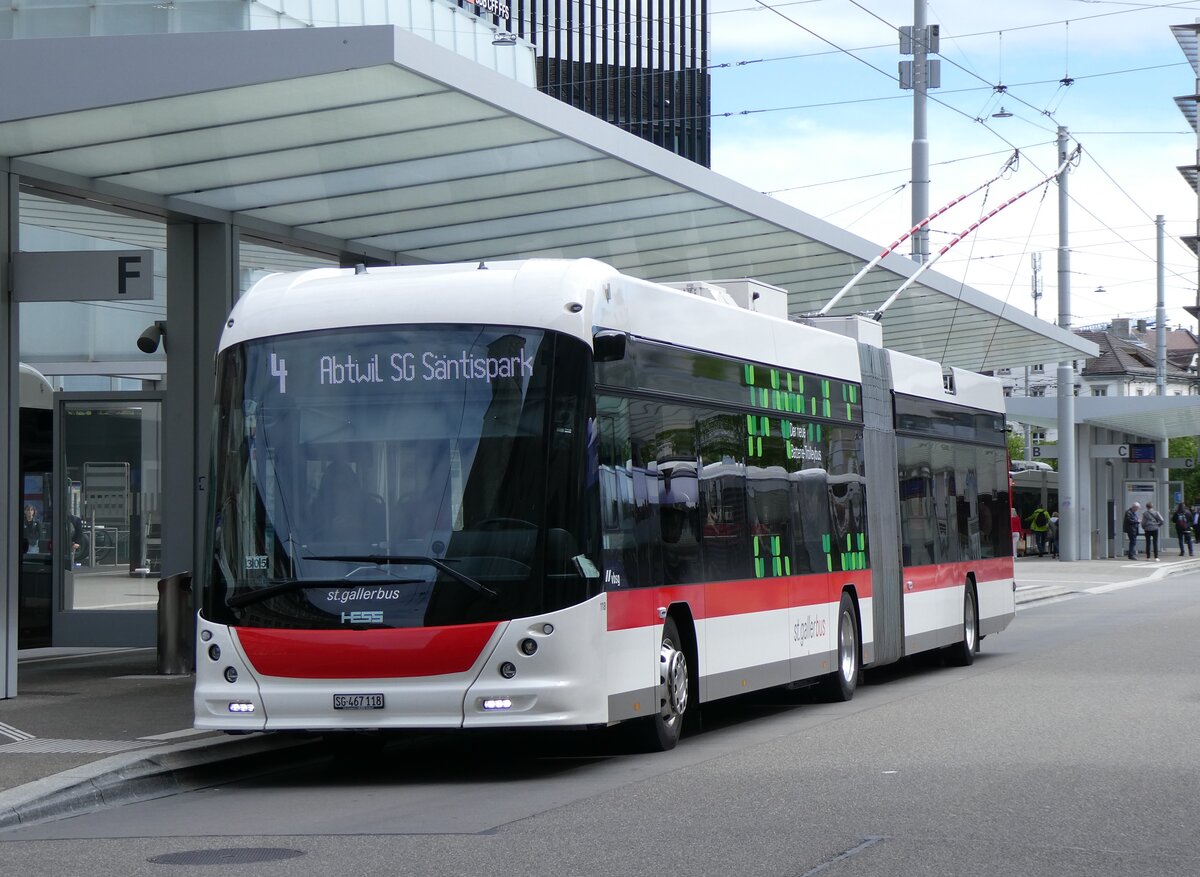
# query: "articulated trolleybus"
{"points": [[546, 494]]}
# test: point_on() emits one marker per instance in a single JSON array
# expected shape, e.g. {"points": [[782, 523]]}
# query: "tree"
{"points": [[1185, 446], [1016, 445]]}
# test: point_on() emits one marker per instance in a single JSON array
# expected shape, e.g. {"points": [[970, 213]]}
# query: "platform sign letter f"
{"points": [[128, 268]]}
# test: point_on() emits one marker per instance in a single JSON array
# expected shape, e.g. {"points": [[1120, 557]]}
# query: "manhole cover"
{"points": [[233, 856]]}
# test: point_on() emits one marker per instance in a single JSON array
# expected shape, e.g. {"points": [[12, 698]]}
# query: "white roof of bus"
{"points": [[536, 293], [575, 297], [36, 391]]}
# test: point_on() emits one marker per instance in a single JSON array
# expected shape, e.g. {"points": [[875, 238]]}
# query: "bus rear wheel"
{"points": [[962, 653], [841, 683], [662, 730]]}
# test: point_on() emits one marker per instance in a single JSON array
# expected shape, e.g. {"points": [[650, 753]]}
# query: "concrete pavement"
{"points": [[99, 727]]}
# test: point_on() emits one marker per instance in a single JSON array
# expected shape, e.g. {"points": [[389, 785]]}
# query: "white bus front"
{"points": [[403, 533]]}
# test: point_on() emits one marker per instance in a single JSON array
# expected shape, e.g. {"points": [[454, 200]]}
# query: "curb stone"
{"points": [[143, 775]]}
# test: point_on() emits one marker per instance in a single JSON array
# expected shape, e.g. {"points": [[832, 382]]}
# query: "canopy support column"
{"points": [[202, 282], [10, 401]]}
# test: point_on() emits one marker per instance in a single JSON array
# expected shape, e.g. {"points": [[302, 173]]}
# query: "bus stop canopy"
{"points": [[1151, 417], [374, 141]]}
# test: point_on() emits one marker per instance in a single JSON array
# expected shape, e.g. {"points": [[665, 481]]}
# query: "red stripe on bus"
{"points": [[364, 654], [638, 607], [948, 575]]}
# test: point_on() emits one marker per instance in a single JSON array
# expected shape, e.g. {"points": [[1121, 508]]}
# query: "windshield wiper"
{"points": [[260, 594], [413, 559]]}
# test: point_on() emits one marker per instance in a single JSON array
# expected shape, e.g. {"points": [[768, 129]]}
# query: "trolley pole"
{"points": [[1071, 533]]}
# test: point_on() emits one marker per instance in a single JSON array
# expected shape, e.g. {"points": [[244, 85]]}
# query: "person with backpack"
{"points": [[1039, 523], [1183, 528], [1151, 521], [1133, 522]]}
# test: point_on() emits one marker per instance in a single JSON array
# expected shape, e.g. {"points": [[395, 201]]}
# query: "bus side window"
{"points": [[847, 499], [808, 479], [644, 472], [724, 536], [769, 499], [917, 520], [679, 496], [616, 494]]}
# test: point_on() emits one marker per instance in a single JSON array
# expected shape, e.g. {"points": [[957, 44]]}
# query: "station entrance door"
{"points": [[105, 518]]}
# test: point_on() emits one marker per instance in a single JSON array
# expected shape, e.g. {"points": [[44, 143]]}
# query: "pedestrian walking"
{"points": [[1052, 533], [1183, 529], [1133, 523], [1151, 521]]}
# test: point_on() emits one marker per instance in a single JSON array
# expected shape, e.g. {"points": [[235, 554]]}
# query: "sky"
{"points": [[807, 108]]}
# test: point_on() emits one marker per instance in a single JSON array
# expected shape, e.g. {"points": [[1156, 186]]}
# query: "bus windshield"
{"points": [[405, 476]]}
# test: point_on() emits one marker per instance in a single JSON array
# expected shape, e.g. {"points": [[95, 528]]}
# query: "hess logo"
{"points": [[362, 617]]}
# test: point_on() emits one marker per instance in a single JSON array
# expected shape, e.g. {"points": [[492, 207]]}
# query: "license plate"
{"points": [[358, 701]]}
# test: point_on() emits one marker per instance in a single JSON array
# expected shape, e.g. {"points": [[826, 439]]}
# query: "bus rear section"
{"points": [[954, 510]]}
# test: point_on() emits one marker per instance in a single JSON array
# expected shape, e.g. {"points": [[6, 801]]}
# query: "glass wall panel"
{"points": [[109, 516], [35, 576], [257, 259], [130, 18], [33, 22], [88, 345], [209, 15]]}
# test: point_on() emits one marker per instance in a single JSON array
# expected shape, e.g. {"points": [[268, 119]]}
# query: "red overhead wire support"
{"points": [[912, 231], [877, 315]]}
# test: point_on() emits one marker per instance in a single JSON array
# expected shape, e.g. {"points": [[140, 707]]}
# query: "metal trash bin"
{"points": [[176, 624]]}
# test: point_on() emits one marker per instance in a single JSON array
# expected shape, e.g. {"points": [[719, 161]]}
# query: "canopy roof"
{"points": [[374, 141], [1155, 417]]}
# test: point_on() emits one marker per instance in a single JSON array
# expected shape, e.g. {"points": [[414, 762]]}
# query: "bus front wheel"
{"points": [[662, 730]]}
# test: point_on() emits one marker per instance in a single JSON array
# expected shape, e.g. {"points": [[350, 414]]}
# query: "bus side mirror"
{"points": [[608, 346]]}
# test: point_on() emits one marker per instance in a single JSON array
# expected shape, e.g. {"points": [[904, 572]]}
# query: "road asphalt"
{"points": [[94, 728]]}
